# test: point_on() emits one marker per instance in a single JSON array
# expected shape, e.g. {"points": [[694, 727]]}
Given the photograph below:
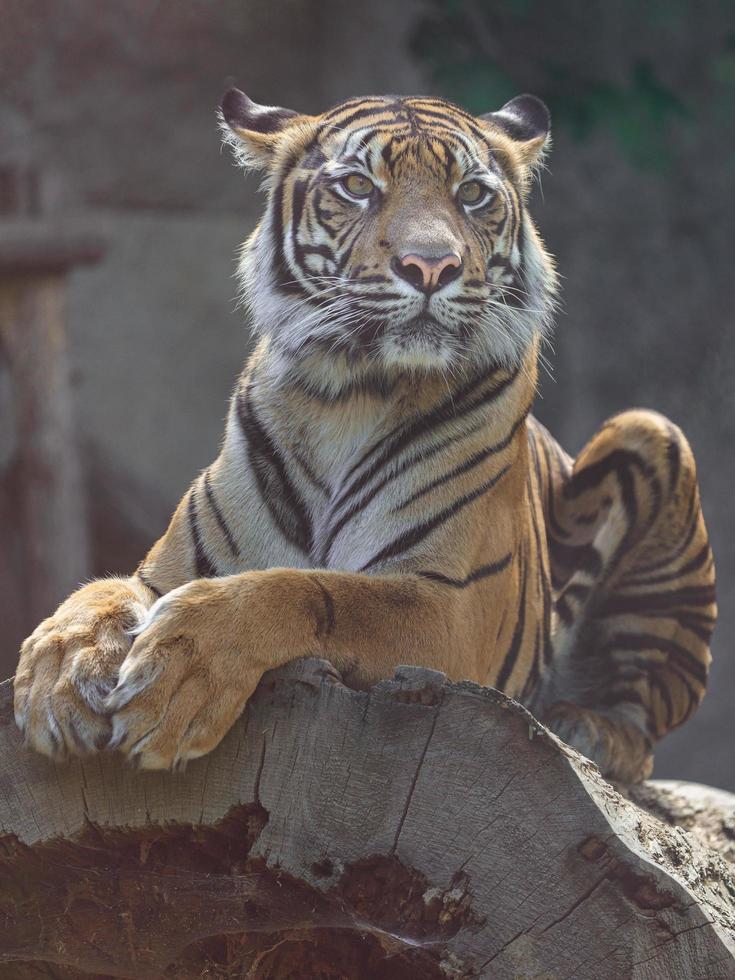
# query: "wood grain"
{"points": [[420, 829]]}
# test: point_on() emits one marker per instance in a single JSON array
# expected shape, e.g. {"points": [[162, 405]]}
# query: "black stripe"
{"points": [[658, 685], [378, 277], [590, 477], [323, 214], [452, 408], [302, 252], [484, 571], [420, 531], [473, 460], [298, 199], [644, 602], [277, 491], [692, 521], [280, 269], [702, 630], [695, 696], [700, 559], [399, 507], [629, 500], [376, 109], [698, 623], [544, 582], [365, 139], [407, 464], [470, 300], [310, 474], [424, 422], [231, 543], [535, 671], [378, 297], [421, 103], [348, 104], [620, 463], [284, 279], [387, 152], [434, 118], [556, 530], [651, 641], [204, 567], [516, 642], [701, 625], [325, 623]]}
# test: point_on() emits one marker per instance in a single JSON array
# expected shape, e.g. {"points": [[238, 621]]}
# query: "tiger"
{"points": [[384, 494]]}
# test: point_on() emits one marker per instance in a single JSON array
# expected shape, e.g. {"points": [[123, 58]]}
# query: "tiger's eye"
{"points": [[358, 185], [471, 192]]}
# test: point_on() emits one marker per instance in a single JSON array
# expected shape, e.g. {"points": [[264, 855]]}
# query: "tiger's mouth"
{"points": [[425, 322], [427, 331], [422, 342], [419, 335], [421, 326]]}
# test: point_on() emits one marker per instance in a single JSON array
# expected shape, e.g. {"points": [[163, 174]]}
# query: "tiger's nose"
{"points": [[427, 273]]}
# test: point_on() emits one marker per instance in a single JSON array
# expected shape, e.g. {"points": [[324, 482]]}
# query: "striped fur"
{"points": [[382, 494]]}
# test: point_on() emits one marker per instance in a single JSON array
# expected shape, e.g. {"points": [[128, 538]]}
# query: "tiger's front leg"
{"points": [[69, 665], [205, 646], [634, 576]]}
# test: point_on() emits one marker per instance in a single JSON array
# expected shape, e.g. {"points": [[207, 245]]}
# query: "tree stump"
{"points": [[422, 829]]}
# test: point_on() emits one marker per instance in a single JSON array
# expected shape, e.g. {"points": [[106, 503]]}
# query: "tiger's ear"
{"points": [[526, 120], [253, 131]]}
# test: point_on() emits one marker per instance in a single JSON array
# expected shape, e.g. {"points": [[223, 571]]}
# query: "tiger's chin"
{"points": [[422, 344], [426, 345], [418, 349]]}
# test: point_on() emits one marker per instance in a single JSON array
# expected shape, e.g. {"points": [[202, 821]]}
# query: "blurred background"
{"points": [[120, 217]]}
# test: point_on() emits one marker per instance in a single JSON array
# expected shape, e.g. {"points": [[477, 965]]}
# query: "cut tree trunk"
{"points": [[420, 829]]}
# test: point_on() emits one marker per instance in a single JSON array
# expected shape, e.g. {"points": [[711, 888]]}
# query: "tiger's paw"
{"points": [[69, 665], [621, 750], [185, 681]]}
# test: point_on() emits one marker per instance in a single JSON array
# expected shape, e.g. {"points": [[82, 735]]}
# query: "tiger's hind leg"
{"points": [[633, 576]]}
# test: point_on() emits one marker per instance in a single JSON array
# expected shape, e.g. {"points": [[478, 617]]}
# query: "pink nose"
{"points": [[428, 273]]}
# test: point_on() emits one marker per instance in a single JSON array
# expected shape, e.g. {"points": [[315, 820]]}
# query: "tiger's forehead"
{"points": [[403, 134], [413, 115]]}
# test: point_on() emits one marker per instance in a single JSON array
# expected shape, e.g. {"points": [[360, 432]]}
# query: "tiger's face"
{"points": [[396, 235]]}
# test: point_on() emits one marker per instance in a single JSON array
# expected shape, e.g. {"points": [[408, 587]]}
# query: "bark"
{"points": [[420, 829]]}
